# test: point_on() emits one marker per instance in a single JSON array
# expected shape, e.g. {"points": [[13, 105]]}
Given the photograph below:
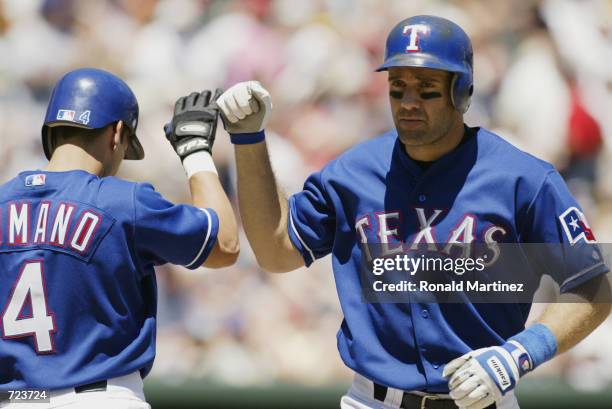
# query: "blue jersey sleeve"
{"points": [[311, 223], [568, 251], [169, 233]]}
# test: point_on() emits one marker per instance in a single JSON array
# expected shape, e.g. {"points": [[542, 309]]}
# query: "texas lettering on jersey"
{"points": [[69, 227], [385, 228]]}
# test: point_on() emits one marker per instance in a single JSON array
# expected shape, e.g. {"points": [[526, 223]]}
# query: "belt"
{"points": [[99, 386], [414, 401]]}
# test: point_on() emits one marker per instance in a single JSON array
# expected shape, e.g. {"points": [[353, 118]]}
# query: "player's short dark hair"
{"points": [[71, 132], [60, 134]]}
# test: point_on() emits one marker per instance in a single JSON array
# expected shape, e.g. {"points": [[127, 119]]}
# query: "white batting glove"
{"points": [[482, 377], [245, 107]]}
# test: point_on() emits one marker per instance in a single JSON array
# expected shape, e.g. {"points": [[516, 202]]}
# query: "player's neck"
{"points": [[68, 157], [434, 151]]}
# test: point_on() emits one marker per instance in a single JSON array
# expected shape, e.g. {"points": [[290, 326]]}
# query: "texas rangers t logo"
{"points": [[575, 226], [414, 29]]}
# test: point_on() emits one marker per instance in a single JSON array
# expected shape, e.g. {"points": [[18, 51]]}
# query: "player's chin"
{"points": [[413, 140], [413, 135]]}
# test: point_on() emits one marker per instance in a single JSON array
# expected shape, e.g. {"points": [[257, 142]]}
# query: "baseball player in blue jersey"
{"points": [[431, 180], [77, 245]]}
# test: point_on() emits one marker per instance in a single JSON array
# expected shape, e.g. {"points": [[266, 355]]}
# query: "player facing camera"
{"points": [[430, 180]]}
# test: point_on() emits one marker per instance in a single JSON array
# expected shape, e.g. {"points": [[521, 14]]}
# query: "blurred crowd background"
{"points": [[543, 80]]}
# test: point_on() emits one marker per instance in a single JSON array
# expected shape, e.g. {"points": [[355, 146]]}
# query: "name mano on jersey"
{"points": [[70, 227]]}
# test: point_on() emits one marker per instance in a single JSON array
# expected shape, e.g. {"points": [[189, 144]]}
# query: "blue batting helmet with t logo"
{"points": [[90, 98], [436, 43]]}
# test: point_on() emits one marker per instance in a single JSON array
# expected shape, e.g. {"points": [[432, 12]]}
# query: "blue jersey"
{"points": [[484, 191], [77, 284]]}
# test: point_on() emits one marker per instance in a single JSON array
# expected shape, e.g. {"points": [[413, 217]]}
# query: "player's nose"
{"points": [[411, 99]]}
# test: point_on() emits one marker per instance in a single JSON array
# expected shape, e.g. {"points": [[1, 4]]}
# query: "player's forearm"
{"points": [[572, 322], [245, 108], [207, 192], [191, 132], [264, 210]]}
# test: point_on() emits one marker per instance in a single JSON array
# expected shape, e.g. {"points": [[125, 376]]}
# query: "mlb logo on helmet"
{"points": [[65, 115], [575, 226]]}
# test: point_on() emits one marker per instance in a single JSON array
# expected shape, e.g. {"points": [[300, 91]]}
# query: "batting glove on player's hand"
{"points": [[194, 123], [245, 108], [482, 377]]}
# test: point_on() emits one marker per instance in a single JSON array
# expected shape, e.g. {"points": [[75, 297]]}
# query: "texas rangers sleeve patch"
{"points": [[576, 227]]}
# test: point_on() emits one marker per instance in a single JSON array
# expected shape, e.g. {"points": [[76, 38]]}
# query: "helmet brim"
{"points": [[419, 60], [134, 150]]}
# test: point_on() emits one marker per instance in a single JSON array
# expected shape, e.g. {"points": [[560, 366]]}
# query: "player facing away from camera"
{"points": [[78, 245], [431, 180]]}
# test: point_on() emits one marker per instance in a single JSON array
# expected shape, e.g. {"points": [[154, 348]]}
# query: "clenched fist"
{"points": [[245, 108], [194, 123]]}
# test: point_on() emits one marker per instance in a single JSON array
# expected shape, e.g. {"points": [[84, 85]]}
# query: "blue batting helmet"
{"points": [[437, 43], [90, 98]]}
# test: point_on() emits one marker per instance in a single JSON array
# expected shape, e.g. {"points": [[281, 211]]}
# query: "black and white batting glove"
{"points": [[194, 123]]}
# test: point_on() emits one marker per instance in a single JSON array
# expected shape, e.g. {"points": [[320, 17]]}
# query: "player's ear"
{"points": [[117, 131]]}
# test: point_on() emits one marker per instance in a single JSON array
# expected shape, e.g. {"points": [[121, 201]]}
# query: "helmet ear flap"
{"points": [[47, 141], [461, 90]]}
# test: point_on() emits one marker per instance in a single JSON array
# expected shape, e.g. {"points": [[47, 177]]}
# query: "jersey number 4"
{"points": [[29, 291]]}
